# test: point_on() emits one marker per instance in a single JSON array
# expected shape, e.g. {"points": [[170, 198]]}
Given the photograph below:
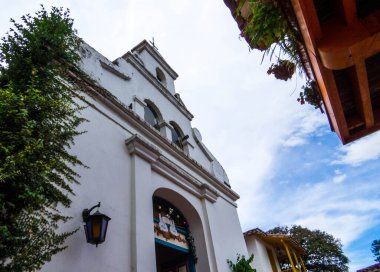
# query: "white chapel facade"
{"points": [[169, 199]]}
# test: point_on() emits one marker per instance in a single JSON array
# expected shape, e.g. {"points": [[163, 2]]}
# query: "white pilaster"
{"points": [[143, 256], [188, 148], [208, 236], [165, 130]]}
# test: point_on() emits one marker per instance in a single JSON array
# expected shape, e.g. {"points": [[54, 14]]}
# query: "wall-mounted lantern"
{"points": [[95, 225]]}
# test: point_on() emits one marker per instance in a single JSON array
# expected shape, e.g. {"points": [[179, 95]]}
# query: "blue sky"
{"points": [[281, 157], [341, 198]]}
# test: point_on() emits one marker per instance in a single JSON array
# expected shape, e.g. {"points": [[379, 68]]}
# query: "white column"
{"points": [[188, 147], [143, 256], [208, 236], [165, 130]]}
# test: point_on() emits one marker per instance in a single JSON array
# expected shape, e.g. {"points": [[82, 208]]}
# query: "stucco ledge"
{"points": [[138, 146]]}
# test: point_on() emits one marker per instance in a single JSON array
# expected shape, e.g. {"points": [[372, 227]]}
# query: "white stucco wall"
{"points": [[261, 260], [225, 231], [102, 148], [151, 64], [124, 177]]}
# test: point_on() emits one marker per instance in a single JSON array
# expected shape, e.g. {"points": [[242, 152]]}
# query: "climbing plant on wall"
{"points": [[38, 122]]}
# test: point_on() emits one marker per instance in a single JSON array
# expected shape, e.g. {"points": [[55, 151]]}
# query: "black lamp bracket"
{"points": [[184, 138], [86, 212]]}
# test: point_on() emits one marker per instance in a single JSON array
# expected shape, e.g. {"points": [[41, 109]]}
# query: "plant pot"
{"points": [[284, 70]]}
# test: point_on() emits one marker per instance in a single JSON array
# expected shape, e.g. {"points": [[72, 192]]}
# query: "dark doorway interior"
{"points": [[171, 260]]}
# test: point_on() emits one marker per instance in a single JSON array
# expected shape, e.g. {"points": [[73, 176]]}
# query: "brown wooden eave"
{"points": [[340, 50], [339, 47]]}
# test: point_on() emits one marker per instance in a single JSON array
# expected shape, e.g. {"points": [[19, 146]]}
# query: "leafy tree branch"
{"points": [[323, 252], [375, 249], [38, 122]]}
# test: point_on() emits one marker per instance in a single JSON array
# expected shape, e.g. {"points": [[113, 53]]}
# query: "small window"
{"points": [[176, 135], [151, 116], [160, 76]]}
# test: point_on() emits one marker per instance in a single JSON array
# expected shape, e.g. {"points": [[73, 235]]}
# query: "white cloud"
{"points": [[293, 141], [361, 151], [346, 227], [307, 123], [339, 177], [346, 212]]}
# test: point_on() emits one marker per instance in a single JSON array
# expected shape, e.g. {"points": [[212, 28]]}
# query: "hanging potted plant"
{"points": [[284, 69], [311, 95]]}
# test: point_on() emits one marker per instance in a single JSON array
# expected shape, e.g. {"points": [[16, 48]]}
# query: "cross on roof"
{"points": [[152, 43]]}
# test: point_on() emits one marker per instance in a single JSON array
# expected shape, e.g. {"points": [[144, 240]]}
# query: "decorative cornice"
{"points": [[114, 71], [187, 143], [209, 193], [163, 124], [164, 166], [156, 55], [137, 146], [138, 100], [205, 151], [131, 59], [178, 176]]}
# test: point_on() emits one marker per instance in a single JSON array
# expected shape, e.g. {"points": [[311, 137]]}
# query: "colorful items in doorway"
{"points": [[165, 230], [171, 227]]}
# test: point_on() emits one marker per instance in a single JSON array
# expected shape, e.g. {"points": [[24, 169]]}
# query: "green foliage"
{"points": [[38, 121], [323, 252], [375, 249], [311, 95], [242, 264], [266, 25], [283, 70], [268, 30]]}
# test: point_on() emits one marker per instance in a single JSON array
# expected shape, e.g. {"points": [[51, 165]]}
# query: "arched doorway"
{"points": [[174, 243]]}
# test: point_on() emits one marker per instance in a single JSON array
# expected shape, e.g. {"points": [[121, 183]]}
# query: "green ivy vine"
{"points": [[38, 123]]}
